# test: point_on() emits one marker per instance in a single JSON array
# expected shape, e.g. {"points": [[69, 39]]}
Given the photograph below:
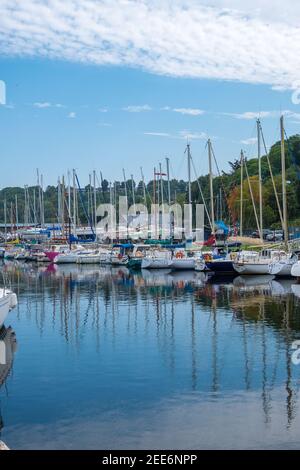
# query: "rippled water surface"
{"points": [[106, 358]]}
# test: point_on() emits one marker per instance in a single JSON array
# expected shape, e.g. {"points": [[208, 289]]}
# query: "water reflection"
{"points": [[8, 346], [129, 342]]}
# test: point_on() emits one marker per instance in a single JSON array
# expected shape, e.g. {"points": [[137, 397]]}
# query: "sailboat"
{"points": [[257, 263], [283, 267], [8, 300]]}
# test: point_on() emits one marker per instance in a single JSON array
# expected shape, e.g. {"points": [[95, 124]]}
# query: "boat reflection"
{"points": [[234, 335], [8, 347]]}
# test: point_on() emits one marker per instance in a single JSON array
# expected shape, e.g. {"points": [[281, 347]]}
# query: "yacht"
{"points": [[8, 300], [157, 259], [182, 260], [252, 262]]}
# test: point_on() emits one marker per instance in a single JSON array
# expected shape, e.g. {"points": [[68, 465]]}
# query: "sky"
{"points": [[109, 85]]}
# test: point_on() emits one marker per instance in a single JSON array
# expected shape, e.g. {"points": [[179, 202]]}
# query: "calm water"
{"points": [[110, 359]]}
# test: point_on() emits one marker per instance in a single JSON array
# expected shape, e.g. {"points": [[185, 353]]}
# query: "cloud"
{"points": [[188, 135], [250, 141], [250, 115], [46, 104], [189, 111], [103, 110], [104, 124], [72, 115], [158, 134], [137, 109], [255, 42]]}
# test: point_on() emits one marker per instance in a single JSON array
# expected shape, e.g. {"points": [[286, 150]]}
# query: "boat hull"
{"points": [[295, 271], [281, 269], [221, 267], [251, 268], [8, 300], [182, 263], [153, 263]]}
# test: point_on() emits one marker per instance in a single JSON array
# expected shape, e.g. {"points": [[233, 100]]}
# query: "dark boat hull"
{"points": [[221, 267]]}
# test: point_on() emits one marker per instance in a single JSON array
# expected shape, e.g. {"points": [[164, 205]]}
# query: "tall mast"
{"points": [[69, 195], [241, 198], [133, 192], [17, 212], [5, 223], [74, 202], [144, 186], [125, 187], [169, 193], [42, 201], [168, 176], [211, 189], [284, 199], [95, 198], [154, 200], [161, 184], [189, 188], [260, 181]]}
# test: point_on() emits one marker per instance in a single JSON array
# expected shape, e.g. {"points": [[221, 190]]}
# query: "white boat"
{"points": [[295, 270], [283, 267], [91, 257], [7, 350], [70, 256], [118, 256], [251, 262], [181, 260], [8, 300], [157, 259]]}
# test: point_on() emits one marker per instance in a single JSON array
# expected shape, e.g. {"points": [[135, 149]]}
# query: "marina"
{"points": [[149, 230], [145, 351]]}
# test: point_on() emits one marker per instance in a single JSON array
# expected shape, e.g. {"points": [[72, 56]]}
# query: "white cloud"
{"points": [[158, 134], [137, 109], [46, 104], [188, 135], [189, 111], [104, 124], [72, 115], [250, 115], [255, 42], [250, 141], [103, 110]]}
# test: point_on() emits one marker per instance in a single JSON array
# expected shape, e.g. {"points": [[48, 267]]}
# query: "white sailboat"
{"points": [[283, 267], [8, 300], [295, 270], [257, 263], [181, 260], [157, 259]]}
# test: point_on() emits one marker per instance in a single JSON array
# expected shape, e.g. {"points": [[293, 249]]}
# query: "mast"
{"points": [[211, 189], [284, 199], [161, 184], [144, 186], [74, 202], [133, 193], [241, 198], [17, 212], [154, 200], [95, 198], [168, 176], [5, 224], [189, 188], [69, 195], [169, 193], [260, 181], [42, 202]]}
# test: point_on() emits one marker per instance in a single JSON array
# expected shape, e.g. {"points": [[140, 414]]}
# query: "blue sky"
{"points": [[67, 110]]}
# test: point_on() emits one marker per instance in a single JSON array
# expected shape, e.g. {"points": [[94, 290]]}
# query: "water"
{"points": [[108, 359]]}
